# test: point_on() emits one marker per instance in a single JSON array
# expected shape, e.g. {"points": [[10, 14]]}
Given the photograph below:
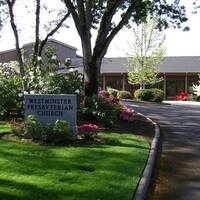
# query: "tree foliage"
{"points": [[109, 17], [148, 48], [2, 12]]}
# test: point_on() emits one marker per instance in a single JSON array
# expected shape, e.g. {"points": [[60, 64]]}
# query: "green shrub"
{"points": [[16, 130], [100, 111], [112, 92], [158, 95], [193, 97], [124, 95], [58, 133], [61, 84], [46, 77], [33, 128], [154, 95], [62, 132], [11, 100], [143, 94]]}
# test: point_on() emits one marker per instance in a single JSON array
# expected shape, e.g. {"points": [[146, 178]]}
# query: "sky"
{"points": [[178, 43]]}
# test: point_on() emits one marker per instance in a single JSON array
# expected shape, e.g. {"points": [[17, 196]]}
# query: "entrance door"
{"points": [[174, 86]]}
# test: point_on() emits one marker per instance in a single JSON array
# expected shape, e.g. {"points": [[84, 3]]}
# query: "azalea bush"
{"points": [[99, 110], [113, 100], [103, 93], [127, 114], [88, 132], [182, 96], [104, 110]]}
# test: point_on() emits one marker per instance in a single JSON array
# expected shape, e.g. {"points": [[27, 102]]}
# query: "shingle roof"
{"points": [[181, 64], [173, 64], [49, 40], [54, 41]]}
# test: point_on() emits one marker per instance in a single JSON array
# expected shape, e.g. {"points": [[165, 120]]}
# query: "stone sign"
{"points": [[50, 107]]}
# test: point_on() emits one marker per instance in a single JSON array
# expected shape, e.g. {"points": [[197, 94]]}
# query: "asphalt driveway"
{"points": [[178, 174]]}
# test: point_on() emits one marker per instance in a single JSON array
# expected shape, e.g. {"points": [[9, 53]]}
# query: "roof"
{"points": [[171, 64], [7, 51], [49, 40], [181, 64], [55, 41]]}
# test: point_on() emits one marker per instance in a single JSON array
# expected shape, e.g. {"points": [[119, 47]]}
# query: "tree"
{"points": [[109, 17], [149, 52], [39, 43], [2, 10]]}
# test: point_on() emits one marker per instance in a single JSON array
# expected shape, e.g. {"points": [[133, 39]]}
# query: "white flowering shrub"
{"points": [[196, 88], [9, 69], [62, 84], [45, 79]]}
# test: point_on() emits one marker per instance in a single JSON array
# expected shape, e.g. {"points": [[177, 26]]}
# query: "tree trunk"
{"points": [[14, 28], [91, 77]]}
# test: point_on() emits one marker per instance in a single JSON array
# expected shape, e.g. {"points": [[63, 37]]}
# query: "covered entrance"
{"points": [[174, 85]]}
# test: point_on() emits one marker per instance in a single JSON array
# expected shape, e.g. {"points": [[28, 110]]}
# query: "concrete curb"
{"points": [[194, 103], [144, 183], [146, 102]]}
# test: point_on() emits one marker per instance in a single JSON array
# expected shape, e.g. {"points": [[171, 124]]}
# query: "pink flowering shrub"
{"points": [[88, 132], [82, 93], [127, 114], [112, 100], [182, 96], [103, 93]]}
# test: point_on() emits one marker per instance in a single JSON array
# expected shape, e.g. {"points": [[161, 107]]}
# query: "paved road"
{"points": [[179, 170]]}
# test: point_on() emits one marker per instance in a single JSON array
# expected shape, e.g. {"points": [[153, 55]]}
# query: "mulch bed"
{"points": [[140, 126]]}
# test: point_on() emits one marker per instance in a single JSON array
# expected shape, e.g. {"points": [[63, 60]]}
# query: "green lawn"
{"points": [[4, 127], [108, 171]]}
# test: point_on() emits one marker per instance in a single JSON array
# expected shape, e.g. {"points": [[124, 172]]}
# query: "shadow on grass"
{"points": [[117, 143], [93, 172]]}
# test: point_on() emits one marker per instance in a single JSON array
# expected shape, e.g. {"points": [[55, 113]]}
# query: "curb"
{"points": [[146, 102], [144, 183], [194, 103]]}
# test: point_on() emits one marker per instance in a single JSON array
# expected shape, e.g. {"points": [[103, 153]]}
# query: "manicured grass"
{"points": [[88, 172], [4, 127]]}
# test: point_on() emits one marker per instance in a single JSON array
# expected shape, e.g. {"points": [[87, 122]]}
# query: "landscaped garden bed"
{"points": [[109, 168], [100, 156]]}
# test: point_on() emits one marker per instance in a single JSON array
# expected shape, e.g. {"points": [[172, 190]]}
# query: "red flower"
{"points": [[182, 96], [88, 128], [88, 132]]}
